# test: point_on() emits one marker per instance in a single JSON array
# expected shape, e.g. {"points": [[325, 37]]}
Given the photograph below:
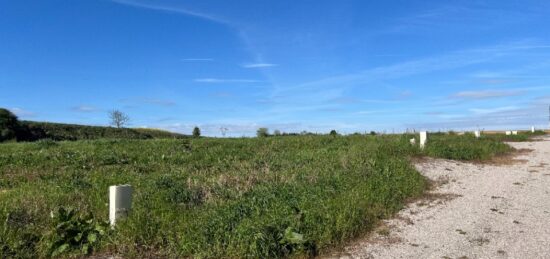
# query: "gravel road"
{"points": [[477, 211]]}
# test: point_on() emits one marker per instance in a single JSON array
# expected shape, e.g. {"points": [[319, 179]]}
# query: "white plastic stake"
{"points": [[120, 202], [423, 138], [514, 132], [477, 133], [532, 129], [508, 132]]}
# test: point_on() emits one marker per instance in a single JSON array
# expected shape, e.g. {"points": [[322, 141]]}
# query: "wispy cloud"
{"points": [[218, 80], [238, 28], [161, 102], [222, 94], [259, 65], [452, 60], [147, 100], [493, 110], [84, 108], [173, 9], [486, 94], [520, 116], [198, 59], [22, 113], [455, 16]]}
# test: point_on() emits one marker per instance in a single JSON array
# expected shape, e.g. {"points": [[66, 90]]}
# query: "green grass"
{"points": [[268, 197], [464, 147], [521, 136]]}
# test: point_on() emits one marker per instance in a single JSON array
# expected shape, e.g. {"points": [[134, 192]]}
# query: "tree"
{"points": [[118, 118], [277, 133], [223, 130], [262, 133], [333, 133], [196, 132], [8, 125]]}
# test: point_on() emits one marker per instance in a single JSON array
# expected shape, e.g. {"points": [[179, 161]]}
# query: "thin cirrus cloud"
{"points": [[494, 110], [218, 80], [486, 94], [198, 59], [259, 65], [152, 101], [22, 112], [449, 61], [84, 108], [173, 9]]}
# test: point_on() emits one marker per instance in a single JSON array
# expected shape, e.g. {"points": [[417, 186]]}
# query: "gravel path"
{"points": [[478, 211]]}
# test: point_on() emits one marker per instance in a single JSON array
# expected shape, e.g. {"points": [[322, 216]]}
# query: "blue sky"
{"points": [[349, 65]]}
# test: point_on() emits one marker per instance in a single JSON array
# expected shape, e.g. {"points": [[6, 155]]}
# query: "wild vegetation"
{"points": [[11, 129], [59, 131], [204, 197]]}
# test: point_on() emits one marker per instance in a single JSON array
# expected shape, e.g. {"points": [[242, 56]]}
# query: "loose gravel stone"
{"points": [[479, 211]]}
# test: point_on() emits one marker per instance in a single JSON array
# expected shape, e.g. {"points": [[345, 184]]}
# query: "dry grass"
{"points": [[508, 158]]}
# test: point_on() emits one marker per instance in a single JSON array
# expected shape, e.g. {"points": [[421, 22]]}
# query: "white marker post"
{"points": [[423, 138], [508, 133], [120, 202], [532, 129], [514, 132], [477, 133]]}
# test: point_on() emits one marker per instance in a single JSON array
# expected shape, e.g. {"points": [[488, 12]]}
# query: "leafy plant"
{"points": [[292, 241], [75, 232]]}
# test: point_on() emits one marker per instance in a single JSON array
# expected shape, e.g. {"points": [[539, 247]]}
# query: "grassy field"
{"points": [[258, 197]]}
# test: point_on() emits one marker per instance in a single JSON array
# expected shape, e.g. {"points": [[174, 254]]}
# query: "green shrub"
{"points": [[262, 133], [31, 131], [8, 125]]}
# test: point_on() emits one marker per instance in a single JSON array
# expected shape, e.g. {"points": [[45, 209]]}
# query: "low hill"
{"points": [[32, 130]]}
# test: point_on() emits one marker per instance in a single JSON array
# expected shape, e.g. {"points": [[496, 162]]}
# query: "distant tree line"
{"points": [[12, 129], [264, 132]]}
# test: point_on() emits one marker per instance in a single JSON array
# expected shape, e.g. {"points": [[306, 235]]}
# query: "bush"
{"points": [[31, 131], [8, 125], [333, 133], [262, 133]]}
